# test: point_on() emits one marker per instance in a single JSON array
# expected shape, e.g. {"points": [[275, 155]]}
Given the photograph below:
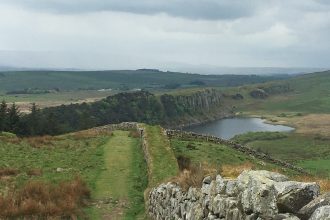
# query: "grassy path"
{"points": [[120, 185]]}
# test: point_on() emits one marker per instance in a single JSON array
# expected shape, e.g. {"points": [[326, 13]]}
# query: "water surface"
{"points": [[229, 127]]}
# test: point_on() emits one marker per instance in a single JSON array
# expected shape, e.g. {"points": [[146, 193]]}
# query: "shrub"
{"points": [[193, 177], [234, 171], [191, 146], [8, 172], [40, 141], [34, 172], [134, 134], [183, 162], [40, 200]]}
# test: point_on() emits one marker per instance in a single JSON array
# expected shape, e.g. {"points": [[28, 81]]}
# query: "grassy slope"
{"points": [[309, 97], [309, 152], [163, 162], [310, 94], [76, 155], [219, 156], [112, 166]]}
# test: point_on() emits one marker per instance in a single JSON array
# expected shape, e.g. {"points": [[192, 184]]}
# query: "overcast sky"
{"points": [[165, 34]]}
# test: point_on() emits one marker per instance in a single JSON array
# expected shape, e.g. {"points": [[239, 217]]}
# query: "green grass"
{"points": [[201, 152], [307, 151], [112, 166], [62, 96], [317, 167], [217, 155], [163, 162], [75, 156], [309, 94], [124, 176], [253, 136]]}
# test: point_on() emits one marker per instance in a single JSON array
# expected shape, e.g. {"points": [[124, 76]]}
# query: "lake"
{"points": [[229, 127]]}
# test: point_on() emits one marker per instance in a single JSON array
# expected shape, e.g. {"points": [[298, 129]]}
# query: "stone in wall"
{"points": [[254, 195]]}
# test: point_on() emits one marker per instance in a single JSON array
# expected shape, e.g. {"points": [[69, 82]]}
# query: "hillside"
{"points": [[308, 93], [106, 169], [142, 106], [119, 79]]}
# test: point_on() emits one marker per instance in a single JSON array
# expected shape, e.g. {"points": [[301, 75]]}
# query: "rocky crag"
{"points": [[194, 108], [254, 195]]}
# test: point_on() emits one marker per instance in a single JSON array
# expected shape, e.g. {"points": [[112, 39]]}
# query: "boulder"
{"points": [[321, 213], [286, 216], [257, 192], [292, 195], [259, 94], [306, 211]]}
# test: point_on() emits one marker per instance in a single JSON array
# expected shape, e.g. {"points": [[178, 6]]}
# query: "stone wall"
{"points": [[254, 195], [246, 150], [121, 126]]}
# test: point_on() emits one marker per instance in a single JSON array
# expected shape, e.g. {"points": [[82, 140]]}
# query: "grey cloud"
{"points": [[190, 9]]}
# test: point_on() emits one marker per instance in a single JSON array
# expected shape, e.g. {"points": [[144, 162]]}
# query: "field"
{"points": [[222, 158], [99, 160], [308, 151], [111, 164], [23, 101], [119, 79]]}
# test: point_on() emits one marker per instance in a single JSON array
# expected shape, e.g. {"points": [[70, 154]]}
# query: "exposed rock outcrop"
{"points": [[259, 94], [306, 211], [254, 195]]}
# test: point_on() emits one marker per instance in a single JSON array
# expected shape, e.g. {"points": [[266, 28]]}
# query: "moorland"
{"points": [[56, 149]]}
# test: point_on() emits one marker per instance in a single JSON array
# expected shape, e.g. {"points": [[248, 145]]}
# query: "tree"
{"points": [[3, 115], [34, 120], [13, 118]]}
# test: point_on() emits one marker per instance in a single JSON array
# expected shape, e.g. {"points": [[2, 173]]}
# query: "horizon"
{"points": [[201, 71]]}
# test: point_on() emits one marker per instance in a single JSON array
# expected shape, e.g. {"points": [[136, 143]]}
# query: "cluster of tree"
{"points": [[33, 91], [9, 117], [140, 106], [35, 123]]}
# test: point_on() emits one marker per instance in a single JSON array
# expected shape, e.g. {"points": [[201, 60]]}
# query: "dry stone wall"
{"points": [[254, 195]]}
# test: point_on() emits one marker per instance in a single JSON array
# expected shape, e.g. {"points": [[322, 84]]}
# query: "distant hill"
{"points": [[120, 79], [309, 93]]}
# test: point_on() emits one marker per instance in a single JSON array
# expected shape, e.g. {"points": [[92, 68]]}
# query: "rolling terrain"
{"points": [[302, 102], [54, 88], [109, 172]]}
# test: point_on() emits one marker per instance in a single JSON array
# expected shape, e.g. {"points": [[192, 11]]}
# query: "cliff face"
{"points": [[194, 108], [254, 195], [201, 101]]}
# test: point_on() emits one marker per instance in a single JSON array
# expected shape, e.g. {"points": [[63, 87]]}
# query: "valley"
{"points": [[116, 165]]}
